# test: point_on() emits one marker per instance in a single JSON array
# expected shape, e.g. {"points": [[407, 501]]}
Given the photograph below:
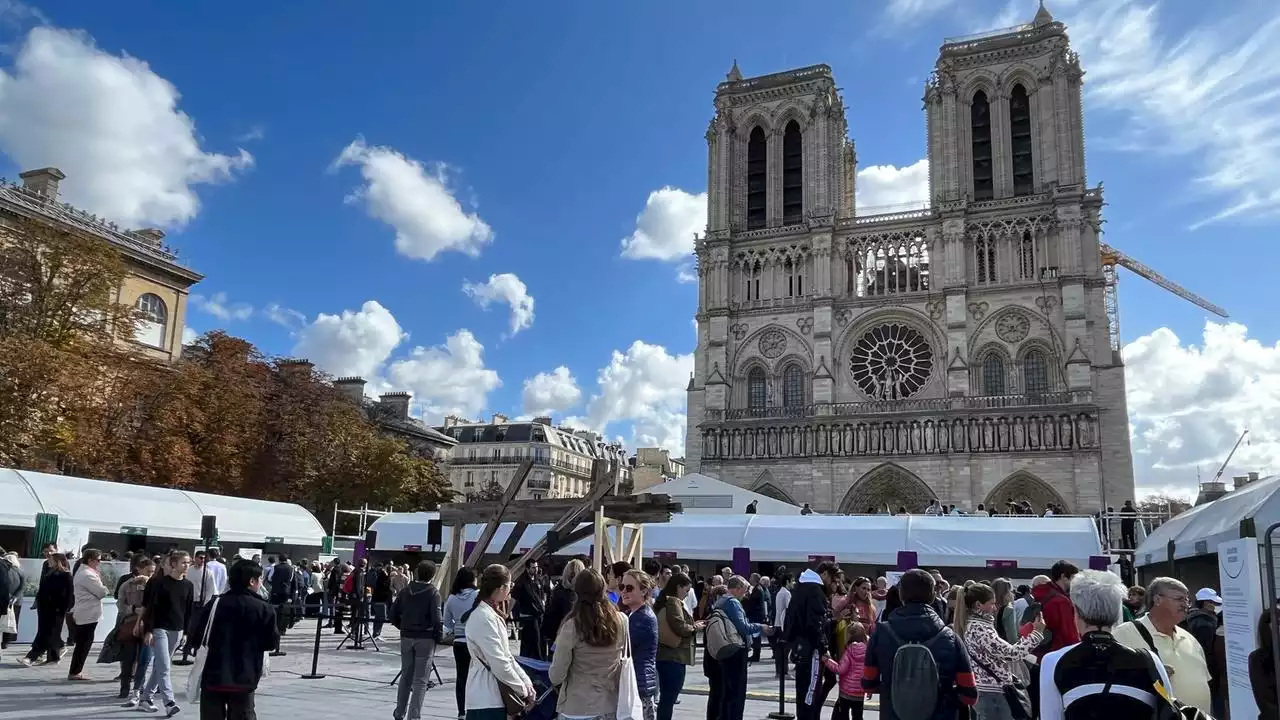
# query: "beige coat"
{"points": [[89, 591], [587, 676]]}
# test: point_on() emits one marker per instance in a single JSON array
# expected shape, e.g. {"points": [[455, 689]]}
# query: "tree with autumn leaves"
{"points": [[224, 419]]}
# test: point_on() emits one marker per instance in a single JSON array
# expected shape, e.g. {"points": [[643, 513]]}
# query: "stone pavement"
{"points": [[356, 686]]}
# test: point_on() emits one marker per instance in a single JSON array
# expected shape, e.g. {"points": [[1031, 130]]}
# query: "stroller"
{"points": [[544, 708]]}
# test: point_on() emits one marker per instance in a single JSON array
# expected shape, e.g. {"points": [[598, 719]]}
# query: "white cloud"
{"points": [[646, 387], [1209, 94], [886, 188], [218, 306], [253, 134], [448, 379], [666, 225], [283, 316], [909, 12], [353, 343], [549, 393], [504, 288], [416, 201], [189, 335], [1188, 404], [112, 125]]}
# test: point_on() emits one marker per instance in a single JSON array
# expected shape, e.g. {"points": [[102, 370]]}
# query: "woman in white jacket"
{"points": [[87, 610], [493, 663]]}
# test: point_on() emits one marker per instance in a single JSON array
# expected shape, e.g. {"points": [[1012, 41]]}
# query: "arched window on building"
{"points": [[794, 270], [985, 259], [980, 127], [793, 387], [792, 174], [1027, 257], [757, 178], [1020, 140], [751, 275], [757, 393], [1035, 373], [154, 321], [993, 375], [850, 276]]}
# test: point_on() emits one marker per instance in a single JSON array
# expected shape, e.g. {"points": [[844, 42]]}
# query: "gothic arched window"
{"points": [[792, 174], [1035, 373], [154, 320], [1027, 257], [756, 392], [1020, 140], [793, 387], [993, 375], [980, 126], [850, 276], [985, 265], [751, 274], [757, 179]]}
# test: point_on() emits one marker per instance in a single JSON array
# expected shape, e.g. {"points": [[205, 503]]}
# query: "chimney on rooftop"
{"points": [[1211, 490], [150, 236], [43, 182], [1240, 481], [500, 419], [396, 403], [351, 387], [543, 420], [296, 367], [1253, 477]]}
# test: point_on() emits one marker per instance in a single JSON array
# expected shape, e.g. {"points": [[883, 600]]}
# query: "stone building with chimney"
{"points": [[390, 413], [157, 284], [860, 359]]}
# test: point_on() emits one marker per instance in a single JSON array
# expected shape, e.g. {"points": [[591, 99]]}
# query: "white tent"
{"points": [[950, 541], [1199, 530], [108, 507], [705, 495]]}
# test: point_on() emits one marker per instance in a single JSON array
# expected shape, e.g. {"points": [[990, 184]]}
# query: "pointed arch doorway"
{"points": [[767, 486], [1022, 485], [888, 485]]}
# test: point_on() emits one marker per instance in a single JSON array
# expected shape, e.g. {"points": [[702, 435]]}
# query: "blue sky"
{"points": [[340, 176]]}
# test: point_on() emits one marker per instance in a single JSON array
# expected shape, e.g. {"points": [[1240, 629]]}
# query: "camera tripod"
{"points": [[358, 634]]}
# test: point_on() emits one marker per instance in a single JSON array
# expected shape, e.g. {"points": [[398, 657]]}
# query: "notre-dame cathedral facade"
{"points": [[859, 360]]}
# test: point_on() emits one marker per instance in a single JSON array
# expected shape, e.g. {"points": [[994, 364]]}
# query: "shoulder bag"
{"points": [[1015, 693], [196, 679], [630, 706], [513, 700]]}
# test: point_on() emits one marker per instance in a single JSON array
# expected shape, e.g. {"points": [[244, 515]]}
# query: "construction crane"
{"points": [[1218, 476], [1112, 257]]}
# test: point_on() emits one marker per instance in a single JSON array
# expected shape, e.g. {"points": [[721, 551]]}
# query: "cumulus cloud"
{"points": [[353, 343], [448, 379], [283, 316], [887, 188], [504, 288], [666, 226], [416, 200], [1188, 403], [220, 307], [189, 335], [112, 125], [551, 393], [645, 386]]}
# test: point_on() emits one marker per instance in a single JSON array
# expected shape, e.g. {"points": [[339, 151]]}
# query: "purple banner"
{"points": [[664, 555], [908, 560], [742, 561], [358, 553], [1002, 564], [1099, 562]]}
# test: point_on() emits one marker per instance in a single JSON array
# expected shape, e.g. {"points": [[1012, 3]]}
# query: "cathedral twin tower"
{"points": [[957, 350]]}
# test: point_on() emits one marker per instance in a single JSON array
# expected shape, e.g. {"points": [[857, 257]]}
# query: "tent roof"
{"points": [[705, 495], [963, 541], [1213, 522], [102, 506]]}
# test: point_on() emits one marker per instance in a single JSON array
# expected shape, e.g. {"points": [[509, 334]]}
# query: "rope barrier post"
{"points": [[782, 713], [315, 650]]}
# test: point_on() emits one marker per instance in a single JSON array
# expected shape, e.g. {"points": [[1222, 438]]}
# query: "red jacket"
{"points": [[1059, 617]]}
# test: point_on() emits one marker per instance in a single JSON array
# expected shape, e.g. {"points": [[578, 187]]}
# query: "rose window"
{"points": [[891, 362]]}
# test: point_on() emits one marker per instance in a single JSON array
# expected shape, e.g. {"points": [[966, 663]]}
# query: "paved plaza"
{"points": [[356, 685]]}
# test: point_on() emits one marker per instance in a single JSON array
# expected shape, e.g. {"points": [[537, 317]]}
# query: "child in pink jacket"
{"points": [[849, 669]]}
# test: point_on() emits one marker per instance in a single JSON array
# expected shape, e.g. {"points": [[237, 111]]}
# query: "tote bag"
{"points": [[196, 678], [629, 705]]}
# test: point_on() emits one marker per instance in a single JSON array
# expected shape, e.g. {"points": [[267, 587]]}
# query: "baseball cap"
{"points": [[1208, 594]]}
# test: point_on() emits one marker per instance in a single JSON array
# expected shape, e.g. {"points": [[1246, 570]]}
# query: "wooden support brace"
{"points": [[567, 522], [491, 528], [513, 541]]}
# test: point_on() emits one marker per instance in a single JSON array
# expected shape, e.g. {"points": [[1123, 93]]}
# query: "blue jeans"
{"points": [[162, 659], [670, 683]]}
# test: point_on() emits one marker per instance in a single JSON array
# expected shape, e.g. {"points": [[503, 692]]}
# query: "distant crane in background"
{"points": [[1112, 257], [1218, 476]]}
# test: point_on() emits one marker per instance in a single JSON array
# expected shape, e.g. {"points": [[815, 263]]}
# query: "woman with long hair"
{"points": [[135, 655], [711, 666], [86, 611], [589, 649], [634, 593], [676, 629], [1006, 623], [53, 602], [560, 602], [992, 658], [486, 633], [1262, 670], [462, 597]]}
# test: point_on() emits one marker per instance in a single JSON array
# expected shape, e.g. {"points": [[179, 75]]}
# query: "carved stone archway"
{"points": [[767, 486], [887, 485], [1023, 485]]}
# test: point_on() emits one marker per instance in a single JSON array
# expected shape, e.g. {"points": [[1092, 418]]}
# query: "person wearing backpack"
{"points": [[911, 651], [1050, 600], [733, 665], [808, 625]]}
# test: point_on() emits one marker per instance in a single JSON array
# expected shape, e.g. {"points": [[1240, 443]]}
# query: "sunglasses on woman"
{"points": [[628, 588]]}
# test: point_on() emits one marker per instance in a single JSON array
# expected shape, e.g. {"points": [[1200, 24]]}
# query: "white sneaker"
{"points": [[135, 697], [148, 705]]}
